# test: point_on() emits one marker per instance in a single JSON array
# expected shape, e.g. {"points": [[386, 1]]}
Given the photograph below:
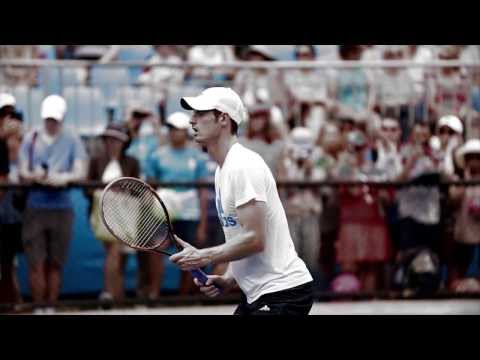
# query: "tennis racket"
{"points": [[135, 214]]}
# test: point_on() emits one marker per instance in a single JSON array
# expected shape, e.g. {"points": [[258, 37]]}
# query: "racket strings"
{"points": [[143, 227], [135, 215]]}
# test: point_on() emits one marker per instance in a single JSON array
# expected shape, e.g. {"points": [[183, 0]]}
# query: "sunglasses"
{"points": [[446, 130], [390, 129]]}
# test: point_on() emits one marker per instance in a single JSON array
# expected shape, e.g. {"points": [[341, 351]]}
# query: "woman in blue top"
{"points": [[178, 161]]}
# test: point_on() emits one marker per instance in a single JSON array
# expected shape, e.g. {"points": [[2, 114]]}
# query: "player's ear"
{"points": [[223, 119]]}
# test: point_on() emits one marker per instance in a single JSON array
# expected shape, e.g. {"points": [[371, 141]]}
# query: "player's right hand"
{"points": [[210, 289]]}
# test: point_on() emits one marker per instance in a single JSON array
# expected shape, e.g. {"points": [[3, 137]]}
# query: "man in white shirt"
{"points": [[258, 246]]}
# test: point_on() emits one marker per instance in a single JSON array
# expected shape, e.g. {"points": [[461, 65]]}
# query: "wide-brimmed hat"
{"points": [[117, 131]]}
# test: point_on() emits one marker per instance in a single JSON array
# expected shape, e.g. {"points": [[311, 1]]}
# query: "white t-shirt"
{"points": [[245, 176]]}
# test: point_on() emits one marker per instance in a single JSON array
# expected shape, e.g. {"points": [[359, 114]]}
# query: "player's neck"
{"points": [[219, 150]]}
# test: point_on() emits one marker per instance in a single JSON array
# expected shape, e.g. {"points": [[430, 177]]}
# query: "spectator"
{"points": [[144, 133], [162, 79], [472, 123], [470, 53], [449, 138], [419, 205], [18, 75], [107, 166], [65, 52], [303, 161], [387, 147], [260, 85], [52, 157], [394, 90], [372, 53], [448, 88], [179, 162], [389, 163], [419, 54], [7, 108], [91, 52], [309, 90], [11, 207], [347, 124], [161, 76], [363, 245], [467, 226], [352, 87], [262, 137], [211, 55]]}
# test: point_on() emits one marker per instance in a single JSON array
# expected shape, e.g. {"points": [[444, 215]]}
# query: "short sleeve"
{"points": [[151, 165], [248, 183], [201, 171]]}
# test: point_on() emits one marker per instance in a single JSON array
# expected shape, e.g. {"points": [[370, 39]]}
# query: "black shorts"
{"points": [[462, 257], [294, 301], [10, 241]]}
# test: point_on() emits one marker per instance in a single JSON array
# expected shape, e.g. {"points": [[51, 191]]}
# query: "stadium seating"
{"points": [[53, 79], [124, 95], [87, 109]]}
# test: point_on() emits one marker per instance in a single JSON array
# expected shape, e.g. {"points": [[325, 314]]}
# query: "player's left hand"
{"points": [[190, 257]]}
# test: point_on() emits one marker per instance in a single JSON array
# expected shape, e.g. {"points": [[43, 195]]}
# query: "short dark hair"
{"points": [[234, 127]]}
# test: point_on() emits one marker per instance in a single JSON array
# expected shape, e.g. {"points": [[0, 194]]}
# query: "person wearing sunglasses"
{"points": [[448, 139], [467, 224], [388, 148]]}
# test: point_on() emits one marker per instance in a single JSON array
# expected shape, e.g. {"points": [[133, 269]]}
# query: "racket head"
{"points": [[134, 213]]}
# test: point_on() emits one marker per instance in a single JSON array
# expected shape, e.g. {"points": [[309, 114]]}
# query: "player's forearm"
{"points": [[238, 248]]}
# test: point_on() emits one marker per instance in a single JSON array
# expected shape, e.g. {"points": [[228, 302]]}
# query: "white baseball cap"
{"points": [[7, 100], [452, 122], [55, 107], [217, 98], [179, 120], [470, 147]]}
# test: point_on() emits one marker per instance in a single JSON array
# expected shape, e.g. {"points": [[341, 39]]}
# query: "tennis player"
{"points": [[258, 246]]}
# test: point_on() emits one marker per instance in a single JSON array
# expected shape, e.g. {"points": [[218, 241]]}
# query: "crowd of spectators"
{"points": [[415, 125]]}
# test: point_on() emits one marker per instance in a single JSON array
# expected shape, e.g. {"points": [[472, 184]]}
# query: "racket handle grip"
{"points": [[201, 277]]}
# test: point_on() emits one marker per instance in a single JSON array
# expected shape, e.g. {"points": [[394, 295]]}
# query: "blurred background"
{"points": [[375, 149]]}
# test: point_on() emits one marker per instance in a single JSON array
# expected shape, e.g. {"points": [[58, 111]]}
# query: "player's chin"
{"points": [[198, 138]]}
